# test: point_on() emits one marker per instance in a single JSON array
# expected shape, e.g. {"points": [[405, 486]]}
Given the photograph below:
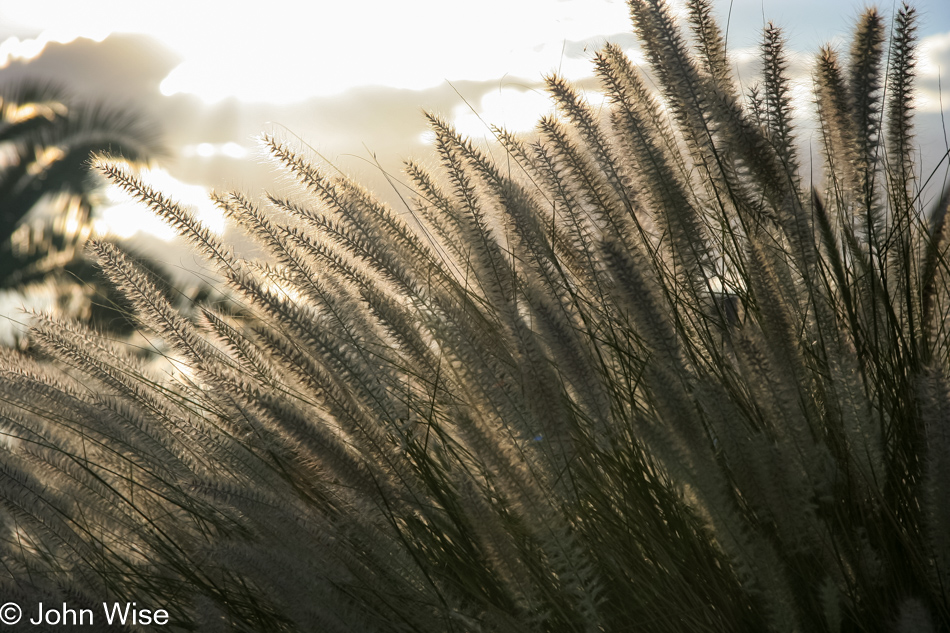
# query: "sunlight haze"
{"points": [[352, 79], [262, 54]]}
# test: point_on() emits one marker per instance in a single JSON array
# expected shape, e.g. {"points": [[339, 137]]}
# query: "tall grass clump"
{"points": [[638, 373]]}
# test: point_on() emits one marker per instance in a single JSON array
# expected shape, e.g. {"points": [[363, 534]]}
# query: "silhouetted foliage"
{"points": [[46, 138]]}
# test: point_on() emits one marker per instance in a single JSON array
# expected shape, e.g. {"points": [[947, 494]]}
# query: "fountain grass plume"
{"points": [[637, 376]]}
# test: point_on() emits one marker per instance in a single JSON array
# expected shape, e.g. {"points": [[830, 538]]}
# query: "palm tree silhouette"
{"points": [[47, 136]]}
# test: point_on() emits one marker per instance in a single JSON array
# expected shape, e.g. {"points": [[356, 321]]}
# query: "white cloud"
{"points": [[933, 71]]}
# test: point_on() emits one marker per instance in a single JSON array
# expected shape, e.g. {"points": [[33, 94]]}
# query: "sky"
{"points": [[352, 79]]}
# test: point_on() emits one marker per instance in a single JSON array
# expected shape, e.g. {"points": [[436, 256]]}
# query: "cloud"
{"points": [[284, 51], [13, 49], [124, 67], [933, 73], [358, 124], [210, 139]]}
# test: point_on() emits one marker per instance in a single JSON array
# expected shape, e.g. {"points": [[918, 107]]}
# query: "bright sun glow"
{"points": [[286, 50], [517, 110], [210, 150], [124, 217]]}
